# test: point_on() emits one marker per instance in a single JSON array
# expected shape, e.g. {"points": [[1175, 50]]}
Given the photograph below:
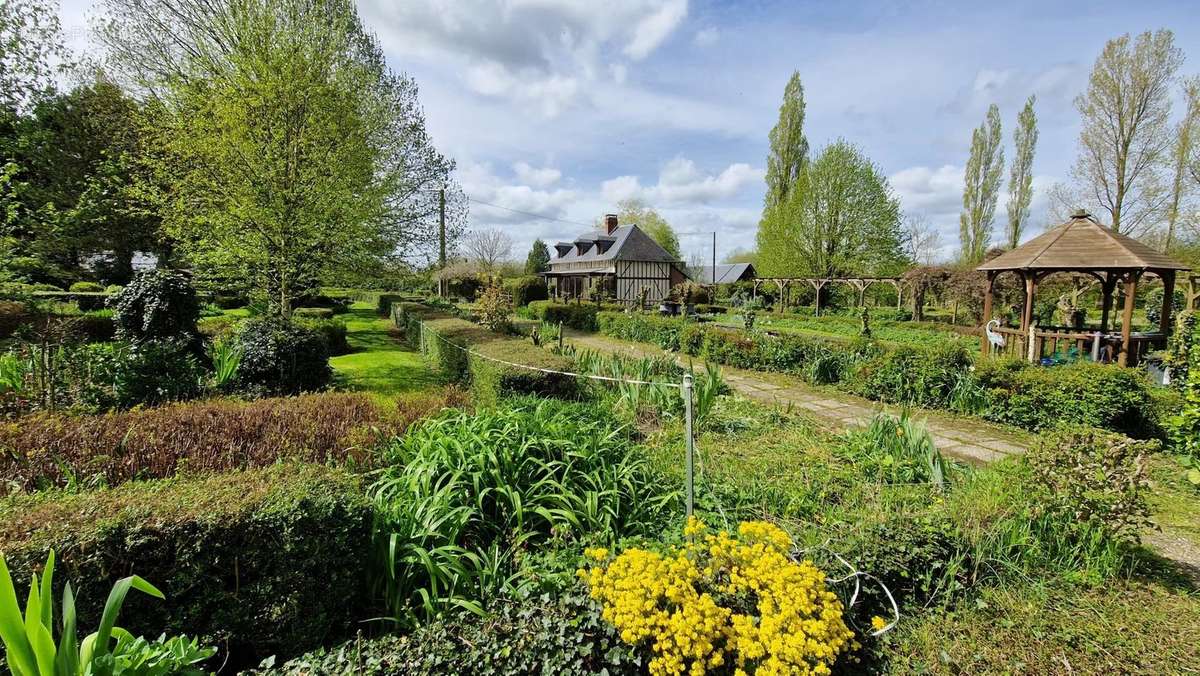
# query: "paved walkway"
{"points": [[971, 440]]}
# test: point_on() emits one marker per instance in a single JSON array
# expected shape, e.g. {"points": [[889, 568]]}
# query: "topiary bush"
{"points": [[281, 357], [312, 313], [526, 289], [260, 562], [333, 331], [158, 304]]}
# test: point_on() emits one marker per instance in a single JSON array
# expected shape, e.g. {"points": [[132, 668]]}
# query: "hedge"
{"points": [[383, 304], [560, 634], [13, 314], [580, 316], [941, 376], [527, 289], [44, 450], [436, 334], [260, 562]]}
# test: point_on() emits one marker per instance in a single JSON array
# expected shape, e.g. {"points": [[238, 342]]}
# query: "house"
{"points": [[725, 274], [616, 261]]}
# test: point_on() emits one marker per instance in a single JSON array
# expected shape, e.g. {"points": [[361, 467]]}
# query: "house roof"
{"points": [[629, 243], [1082, 243], [726, 273]]}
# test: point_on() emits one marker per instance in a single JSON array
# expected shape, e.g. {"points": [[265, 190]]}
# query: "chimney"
{"points": [[610, 223], [1080, 213]]}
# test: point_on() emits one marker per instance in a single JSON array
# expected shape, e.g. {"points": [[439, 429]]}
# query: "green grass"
{"points": [[842, 326], [380, 363]]}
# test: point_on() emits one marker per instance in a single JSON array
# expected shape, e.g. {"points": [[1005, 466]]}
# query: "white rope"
{"points": [[552, 371]]}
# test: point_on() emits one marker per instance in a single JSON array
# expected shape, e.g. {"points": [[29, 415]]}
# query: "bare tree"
{"points": [[1126, 137], [1183, 154], [487, 247], [922, 240]]}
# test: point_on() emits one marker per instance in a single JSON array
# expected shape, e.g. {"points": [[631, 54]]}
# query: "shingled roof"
{"points": [[628, 243], [1082, 244]]}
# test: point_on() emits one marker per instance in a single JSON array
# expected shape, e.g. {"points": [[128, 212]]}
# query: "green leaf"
{"points": [[1193, 476], [68, 643], [18, 650]]}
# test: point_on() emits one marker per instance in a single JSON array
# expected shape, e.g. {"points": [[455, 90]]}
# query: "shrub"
{"points": [[898, 450], [158, 304], [281, 357], [560, 634], [385, 301], [1083, 393], [86, 287], [312, 313], [88, 296], [913, 376], [113, 289], [48, 449], [494, 308], [217, 327], [580, 316], [333, 332], [13, 315], [691, 293], [1091, 479], [465, 492], [261, 562], [94, 328], [721, 600], [661, 331], [335, 304], [526, 289]]}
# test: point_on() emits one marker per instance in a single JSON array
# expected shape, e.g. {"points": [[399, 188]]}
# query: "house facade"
{"points": [[617, 262]]}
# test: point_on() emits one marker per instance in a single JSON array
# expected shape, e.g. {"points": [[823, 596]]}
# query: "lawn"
{"points": [[842, 326], [380, 363]]}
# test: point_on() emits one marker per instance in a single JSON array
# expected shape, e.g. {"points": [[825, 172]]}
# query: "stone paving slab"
{"points": [[974, 442]]}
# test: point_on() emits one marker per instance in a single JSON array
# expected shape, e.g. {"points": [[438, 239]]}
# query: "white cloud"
{"points": [[928, 190], [681, 182], [540, 178], [538, 53], [653, 29], [707, 36], [619, 72]]}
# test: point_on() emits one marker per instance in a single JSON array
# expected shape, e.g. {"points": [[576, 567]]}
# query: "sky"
{"points": [[555, 110]]}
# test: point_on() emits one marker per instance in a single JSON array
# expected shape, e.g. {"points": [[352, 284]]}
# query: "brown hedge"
{"points": [[44, 449]]}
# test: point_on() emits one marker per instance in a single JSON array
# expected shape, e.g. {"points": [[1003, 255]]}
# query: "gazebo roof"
{"points": [[1082, 244]]}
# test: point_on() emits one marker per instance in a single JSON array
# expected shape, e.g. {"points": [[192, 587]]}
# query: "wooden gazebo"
{"points": [[1083, 245]]}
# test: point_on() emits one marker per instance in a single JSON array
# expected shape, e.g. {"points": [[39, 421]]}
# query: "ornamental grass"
{"points": [[722, 602]]}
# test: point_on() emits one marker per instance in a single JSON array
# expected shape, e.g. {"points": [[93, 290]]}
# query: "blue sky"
{"points": [[562, 107]]}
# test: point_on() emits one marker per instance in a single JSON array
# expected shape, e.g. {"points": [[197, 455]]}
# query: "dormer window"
{"points": [[582, 245], [603, 244], [563, 248]]}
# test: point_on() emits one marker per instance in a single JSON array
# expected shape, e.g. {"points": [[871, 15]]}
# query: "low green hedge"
{"points": [[383, 304], [313, 312], [436, 334], [332, 330], [561, 634], [524, 290], [580, 316], [260, 562], [943, 375], [1085, 393]]}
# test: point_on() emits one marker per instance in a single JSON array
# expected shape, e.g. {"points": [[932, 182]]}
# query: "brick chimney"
{"points": [[610, 223]]}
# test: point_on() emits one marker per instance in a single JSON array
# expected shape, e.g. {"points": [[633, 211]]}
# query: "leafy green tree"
{"points": [[840, 218], [637, 212], [789, 146], [1020, 177], [981, 188], [291, 151], [31, 51], [1183, 186], [538, 259]]}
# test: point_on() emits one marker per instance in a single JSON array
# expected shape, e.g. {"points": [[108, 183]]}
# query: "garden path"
{"points": [[972, 440]]}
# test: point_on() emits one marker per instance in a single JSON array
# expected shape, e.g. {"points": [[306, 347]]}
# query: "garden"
{"points": [[383, 486]]}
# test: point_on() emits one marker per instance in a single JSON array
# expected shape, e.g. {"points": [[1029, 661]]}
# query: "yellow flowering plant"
{"points": [[722, 602]]}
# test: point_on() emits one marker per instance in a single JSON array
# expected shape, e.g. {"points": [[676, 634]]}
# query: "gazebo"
{"points": [[1083, 245]]}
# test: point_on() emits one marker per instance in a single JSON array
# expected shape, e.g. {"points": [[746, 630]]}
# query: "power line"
{"points": [[530, 213]]}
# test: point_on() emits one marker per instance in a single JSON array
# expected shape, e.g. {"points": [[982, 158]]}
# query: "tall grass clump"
{"points": [[898, 450], [663, 397], [466, 498]]}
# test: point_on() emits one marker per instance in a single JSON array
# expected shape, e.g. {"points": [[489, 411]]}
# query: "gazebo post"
{"points": [[987, 310], [1164, 321], [1109, 285], [1127, 317], [1030, 288]]}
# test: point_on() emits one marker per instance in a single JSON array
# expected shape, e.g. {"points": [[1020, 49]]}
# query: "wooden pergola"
{"points": [[859, 284], [1083, 245]]}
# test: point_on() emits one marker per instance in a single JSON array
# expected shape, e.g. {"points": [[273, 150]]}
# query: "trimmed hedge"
{"points": [[383, 303], [940, 376], [312, 313], [1084, 393], [527, 289], [259, 562], [57, 450], [435, 334], [563, 634], [13, 314], [580, 316], [334, 332]]}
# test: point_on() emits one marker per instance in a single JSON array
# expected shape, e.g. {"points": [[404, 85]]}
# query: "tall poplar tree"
{"points": [[981, 188], [1125, 139], [538, 259], [789, 146], [1020, 178]]}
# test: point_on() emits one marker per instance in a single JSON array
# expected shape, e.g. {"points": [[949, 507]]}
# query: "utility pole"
{"points": [[714, 268], [441, 240]]}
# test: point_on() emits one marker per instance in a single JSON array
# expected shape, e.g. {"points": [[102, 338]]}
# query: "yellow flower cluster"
{"points": [[723, 600]]}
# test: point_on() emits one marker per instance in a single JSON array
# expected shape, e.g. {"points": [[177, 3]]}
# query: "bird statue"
{"points": [[993, 337]]}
